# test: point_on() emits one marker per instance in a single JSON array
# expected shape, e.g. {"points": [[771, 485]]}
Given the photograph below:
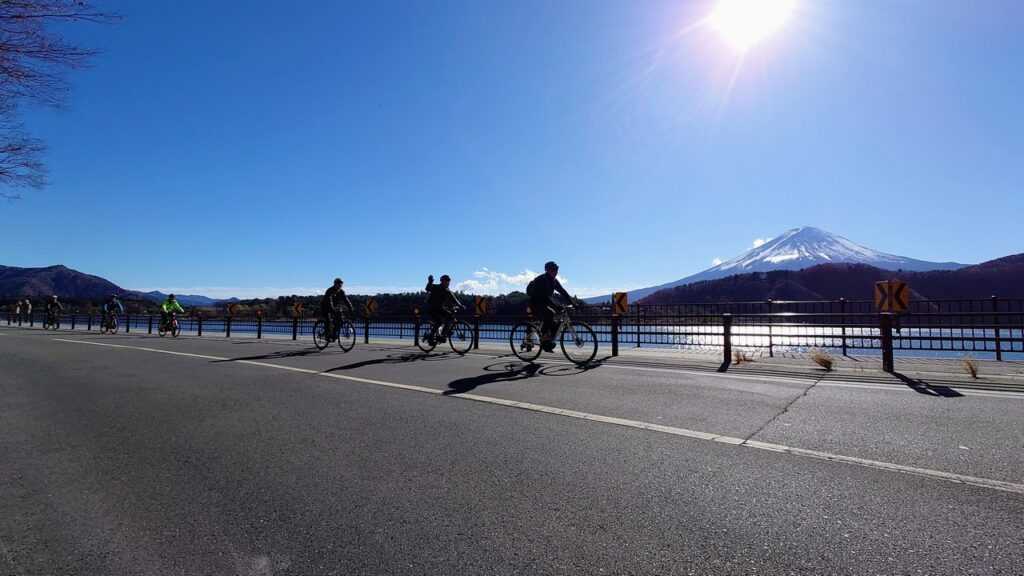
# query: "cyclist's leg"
{"points": [[436, 321]]}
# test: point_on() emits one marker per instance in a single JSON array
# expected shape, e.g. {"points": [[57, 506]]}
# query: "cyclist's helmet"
{"points": [[54, 297], [337, 282], [170, 296], [550, 265], [446, 278]]}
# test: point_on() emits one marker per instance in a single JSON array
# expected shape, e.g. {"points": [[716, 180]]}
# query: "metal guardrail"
{"points": [[950, 326]]}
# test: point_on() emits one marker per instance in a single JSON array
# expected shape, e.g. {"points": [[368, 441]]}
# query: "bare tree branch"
{"points": [[34, 61]]}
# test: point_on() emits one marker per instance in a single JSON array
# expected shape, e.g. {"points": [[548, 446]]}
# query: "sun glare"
{"points": [[743, 23]]}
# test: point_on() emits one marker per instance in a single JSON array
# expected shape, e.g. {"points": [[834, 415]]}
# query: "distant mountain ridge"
{"points": [[1003, 277], [797, 249], [71, 284]]}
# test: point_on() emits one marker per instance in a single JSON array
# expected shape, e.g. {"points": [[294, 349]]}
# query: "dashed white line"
{"points": [[637, 424]]}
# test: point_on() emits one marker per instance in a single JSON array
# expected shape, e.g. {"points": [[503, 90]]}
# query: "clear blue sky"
{"points": [[260, 147]]}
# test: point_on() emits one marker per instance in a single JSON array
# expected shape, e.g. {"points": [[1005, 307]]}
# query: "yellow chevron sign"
{"points": [[620, 303], [892, 296], [370, 307], [482, 304]]}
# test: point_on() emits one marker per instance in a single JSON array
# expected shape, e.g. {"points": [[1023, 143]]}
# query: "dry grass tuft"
{"points": [[823, 359], [741, 356], [970, 366]]}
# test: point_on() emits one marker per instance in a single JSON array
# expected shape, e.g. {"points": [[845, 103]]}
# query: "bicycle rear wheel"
{"points": [[175, 328], [162, 329], [320, 334], [423, 333], [579, 343], [346, 335], [525, 341], [461, 337], [112, 328]]}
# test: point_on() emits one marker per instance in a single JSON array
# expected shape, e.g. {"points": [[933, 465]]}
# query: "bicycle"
{"points": [[169, 326], [52, 321], [344, 333], [578, 341], [109, 323], [458, 333]]}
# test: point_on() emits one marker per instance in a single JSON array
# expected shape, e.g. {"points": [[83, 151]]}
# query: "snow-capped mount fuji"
{"points": [[797, 249]]}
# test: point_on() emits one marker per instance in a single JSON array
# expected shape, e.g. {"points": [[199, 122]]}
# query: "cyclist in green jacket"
{"points": [[169, 306]]}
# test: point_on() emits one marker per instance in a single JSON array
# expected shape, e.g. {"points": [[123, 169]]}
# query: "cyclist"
{"points": [[169, 306], [329, 307], [111, 307], [441, 305], [53, 307], [540, 290]]}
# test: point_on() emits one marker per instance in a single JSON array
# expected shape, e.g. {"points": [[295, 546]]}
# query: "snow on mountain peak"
{"points": [[800, 248]]}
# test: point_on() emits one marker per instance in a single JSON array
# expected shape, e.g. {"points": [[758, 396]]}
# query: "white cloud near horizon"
{"points": [[758, 242], [717, 261], [493, 283]]}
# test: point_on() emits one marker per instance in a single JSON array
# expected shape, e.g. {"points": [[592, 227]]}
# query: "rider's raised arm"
{"points": [[345, 300]]}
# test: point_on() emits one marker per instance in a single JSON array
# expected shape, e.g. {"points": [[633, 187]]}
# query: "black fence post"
{"points": [[127, 323], [842, 310], [885, 327], [636, 320], [295, 328], [615, 334], [72, 321], [476, 332], [995, 322], [88, 326], [259, 327], [366, 329], [771, 345], [199, 326], [726, 340], [227, 327], [150, 324], [31, 320]]}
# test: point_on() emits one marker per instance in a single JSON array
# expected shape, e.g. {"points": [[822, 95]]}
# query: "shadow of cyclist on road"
{"points": [[500, 372], [396, 359]]}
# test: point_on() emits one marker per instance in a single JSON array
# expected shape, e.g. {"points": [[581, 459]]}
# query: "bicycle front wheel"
{"points": [[175, 328], [112, 328], [162, 330], [320, 334], [423, 336], [525, 341], [461, 337], [579, 343], [346, 335]]}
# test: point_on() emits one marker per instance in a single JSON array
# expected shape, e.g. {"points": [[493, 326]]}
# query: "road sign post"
{"points": [[885, 331], [620, 307], [480, 306], [369, 309]]}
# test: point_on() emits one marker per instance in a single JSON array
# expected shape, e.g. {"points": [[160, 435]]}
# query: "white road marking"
{"points": [[894, 387], [673, 430]]}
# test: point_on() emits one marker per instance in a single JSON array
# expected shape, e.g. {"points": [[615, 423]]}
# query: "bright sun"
{"points": [[743, 23]]}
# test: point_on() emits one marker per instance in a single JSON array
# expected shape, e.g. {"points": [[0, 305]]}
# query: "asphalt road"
{"points": [[140, 455]]}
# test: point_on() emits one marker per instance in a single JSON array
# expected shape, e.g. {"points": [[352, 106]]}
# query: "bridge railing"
{"points": [[945, 327]]}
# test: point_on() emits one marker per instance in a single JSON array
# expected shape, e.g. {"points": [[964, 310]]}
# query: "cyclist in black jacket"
{"points": [[441, 303], [540, 290], [330, 304]]}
